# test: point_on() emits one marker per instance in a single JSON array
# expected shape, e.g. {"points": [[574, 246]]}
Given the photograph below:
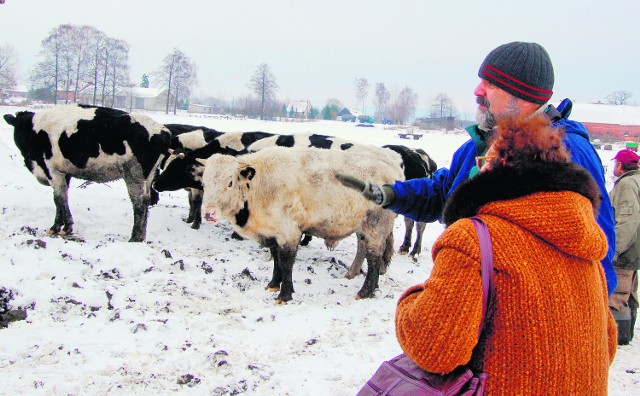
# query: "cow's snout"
{"points": [[210, 215]]}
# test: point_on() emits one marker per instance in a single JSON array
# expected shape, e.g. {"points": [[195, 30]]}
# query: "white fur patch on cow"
{"points": [[65, 119], [232, 140], [192, 140], [149, 124]]}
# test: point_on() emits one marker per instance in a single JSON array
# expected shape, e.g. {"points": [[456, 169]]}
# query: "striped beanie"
{"points": [[522, 69]]}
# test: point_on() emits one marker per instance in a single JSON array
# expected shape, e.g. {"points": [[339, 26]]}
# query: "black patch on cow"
{"points": [[248, 138], [321, 141], [108, 130], [243, 215], [414, 165], [178, 175], [33, 146], [285, 141], [248, 172], [346, 146]]}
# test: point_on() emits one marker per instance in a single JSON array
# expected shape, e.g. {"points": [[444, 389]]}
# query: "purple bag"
{"points": [[401, 376]]}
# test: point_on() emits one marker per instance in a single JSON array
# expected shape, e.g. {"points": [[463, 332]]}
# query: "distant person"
{"points": [[548, 329], [625, 198], [515, 79]]}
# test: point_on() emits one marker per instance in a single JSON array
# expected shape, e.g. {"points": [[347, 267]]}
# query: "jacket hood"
{"points": [[557, 202]]}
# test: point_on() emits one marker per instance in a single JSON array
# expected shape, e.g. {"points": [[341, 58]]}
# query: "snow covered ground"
{"points": [[187, 311]]}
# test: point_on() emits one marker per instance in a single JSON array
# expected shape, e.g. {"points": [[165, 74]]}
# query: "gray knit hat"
{"points": [[522, 69]]}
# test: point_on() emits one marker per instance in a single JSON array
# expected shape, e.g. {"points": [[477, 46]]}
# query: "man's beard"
{"points": [[486, 120]]}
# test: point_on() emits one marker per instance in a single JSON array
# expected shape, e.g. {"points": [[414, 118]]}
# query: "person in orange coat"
{"points": [[548, 328]]}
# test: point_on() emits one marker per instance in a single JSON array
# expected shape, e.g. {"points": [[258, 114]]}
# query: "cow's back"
{"points": [[96, 143], [298, 186]]}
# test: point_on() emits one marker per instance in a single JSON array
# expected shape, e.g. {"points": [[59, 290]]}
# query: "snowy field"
{"points": [[187, 311]]}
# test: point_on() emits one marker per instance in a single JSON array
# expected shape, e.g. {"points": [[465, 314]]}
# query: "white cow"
{"points": [[275, 195]]}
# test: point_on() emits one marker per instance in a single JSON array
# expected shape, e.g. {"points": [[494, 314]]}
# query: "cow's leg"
{"points": [[286, 257], [377, 230], [356, 265], [63, 222], [276, 278], [191, 214], [406, 244], [417, 247], [138, 189], [388, 253], [306, 238], [195, 208], [370, 284]]}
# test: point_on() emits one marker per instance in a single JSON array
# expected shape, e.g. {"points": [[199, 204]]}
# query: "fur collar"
{"points": [[504, 183]]}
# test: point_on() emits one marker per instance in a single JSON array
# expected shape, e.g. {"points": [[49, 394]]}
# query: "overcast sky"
{"points": [[317, 49]]}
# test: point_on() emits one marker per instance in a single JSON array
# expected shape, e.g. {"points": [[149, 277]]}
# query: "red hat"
{"points": [[627, 157]]}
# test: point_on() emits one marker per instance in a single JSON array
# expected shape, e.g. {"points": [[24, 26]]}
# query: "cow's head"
{"points": [[180, 170], [226, 182]]}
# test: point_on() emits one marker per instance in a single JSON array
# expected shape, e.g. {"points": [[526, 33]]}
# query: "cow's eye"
{"points": [[230, 183]]}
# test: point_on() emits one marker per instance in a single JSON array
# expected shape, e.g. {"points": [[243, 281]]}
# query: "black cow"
{"points": [[186, 137], [92, 143], [417, 164]]}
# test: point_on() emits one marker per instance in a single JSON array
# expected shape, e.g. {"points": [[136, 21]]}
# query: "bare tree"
{"points": [[8, 65], [405, 105], [98, 42], [178, 75], [53, 70], [263, 83], [381, 101], [73, 56], [118, 70], [362, 90], [618, 97], [442, 106], [80, 56]]}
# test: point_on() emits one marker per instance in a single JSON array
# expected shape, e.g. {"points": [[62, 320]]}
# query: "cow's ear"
{"points": [[10, 119], [201, 161], [248, 172]]}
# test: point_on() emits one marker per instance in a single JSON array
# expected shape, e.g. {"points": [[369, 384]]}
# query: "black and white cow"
{"points": [[275, 195], [184, 138], [92, 143]]}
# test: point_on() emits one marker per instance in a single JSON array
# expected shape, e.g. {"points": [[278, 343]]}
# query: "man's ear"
{"points": [[248, 173]]}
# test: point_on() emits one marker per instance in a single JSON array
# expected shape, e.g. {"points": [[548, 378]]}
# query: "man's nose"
{"points": [[480, 91]]}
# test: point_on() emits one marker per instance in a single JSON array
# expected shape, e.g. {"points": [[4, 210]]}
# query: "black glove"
{"points": [[383, 196]]}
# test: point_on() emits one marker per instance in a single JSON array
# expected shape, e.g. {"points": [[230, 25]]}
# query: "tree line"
{"points": [[80, 58]]}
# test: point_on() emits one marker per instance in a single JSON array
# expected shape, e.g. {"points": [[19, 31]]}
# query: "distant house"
{"points": [[148, 99], [347, 114], [299, 109], [15, 95], [203, 109], [608, 122], [69, 96]]}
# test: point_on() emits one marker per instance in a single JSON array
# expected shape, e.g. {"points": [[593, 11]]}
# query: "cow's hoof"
{"points": [[51, 231], [402, 251], [281, 302], [272, 289], [195, 226], [350, 275]]}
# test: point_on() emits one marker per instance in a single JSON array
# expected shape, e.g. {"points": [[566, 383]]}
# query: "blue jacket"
{"points": [[423, 199]]}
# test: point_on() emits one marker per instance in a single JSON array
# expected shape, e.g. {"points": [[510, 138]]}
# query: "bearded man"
{"points": [[515, 79]]}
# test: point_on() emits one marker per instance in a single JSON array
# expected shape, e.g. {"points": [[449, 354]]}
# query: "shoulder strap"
{"points": [[486, 251]]}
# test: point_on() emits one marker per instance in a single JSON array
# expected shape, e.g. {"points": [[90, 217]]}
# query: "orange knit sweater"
{"points": [[548, 329]]}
